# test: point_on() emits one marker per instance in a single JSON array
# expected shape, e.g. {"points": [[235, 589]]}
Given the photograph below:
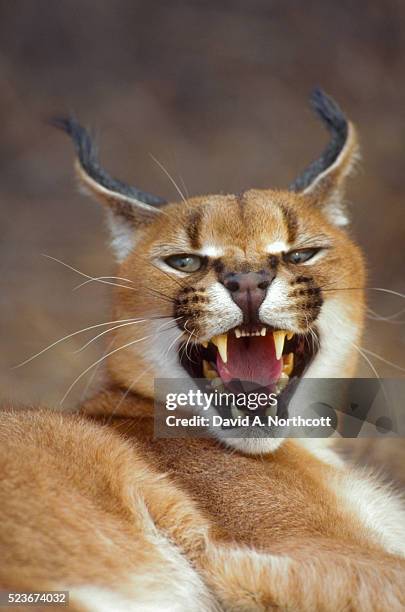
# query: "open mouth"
{"points": [[251, 359]]}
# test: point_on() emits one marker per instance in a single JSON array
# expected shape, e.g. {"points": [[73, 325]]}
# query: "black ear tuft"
{"points": [[329, 112], [337, 124], [87, 155]]}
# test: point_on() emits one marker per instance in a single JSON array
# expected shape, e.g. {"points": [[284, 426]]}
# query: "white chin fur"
{"points": [[338, 333]]}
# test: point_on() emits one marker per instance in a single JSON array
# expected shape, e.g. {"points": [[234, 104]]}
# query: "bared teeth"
{"points": [[279, 337], [288, 363], [241, 333], [221, 342], [205, 344]]}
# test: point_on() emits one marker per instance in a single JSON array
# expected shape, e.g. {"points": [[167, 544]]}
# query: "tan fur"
{"points": [[92, 503], [243, 236], [92, 507]]}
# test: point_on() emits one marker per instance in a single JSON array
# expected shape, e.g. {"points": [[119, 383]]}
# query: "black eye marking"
{"points": [[218, 266], [291, 221], [193, 227], [273, 261]]}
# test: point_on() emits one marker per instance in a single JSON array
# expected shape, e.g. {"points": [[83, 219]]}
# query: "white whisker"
{"points": [[374, 370], [101, 278], [372, 367], [120, 348], [112, 353], [190, 335], [389, 318], [127, 391], [366, 359], [93, 374], [90, 278], [391, 291], [106, 331], [171, 179], [80, 331], [390, 363], [183, 184], [173, 343]]}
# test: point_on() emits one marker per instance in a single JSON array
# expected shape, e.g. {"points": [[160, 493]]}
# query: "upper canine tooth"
{"points": [[279, 337], [289, 335], [205, 344], [263, 331], [237, 333], [221, 342]]}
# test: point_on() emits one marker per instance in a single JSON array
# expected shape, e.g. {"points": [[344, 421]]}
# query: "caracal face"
{"points": [[264, 286]]}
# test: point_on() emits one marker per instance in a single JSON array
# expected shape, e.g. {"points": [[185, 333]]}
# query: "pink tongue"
{"points": [[250, 359]]}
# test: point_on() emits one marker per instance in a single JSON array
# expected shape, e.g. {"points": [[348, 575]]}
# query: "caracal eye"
{"points": [[300, 256], [184, 262]]}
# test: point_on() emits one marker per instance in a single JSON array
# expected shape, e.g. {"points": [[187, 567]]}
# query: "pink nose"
{"points": [[248, 290]]}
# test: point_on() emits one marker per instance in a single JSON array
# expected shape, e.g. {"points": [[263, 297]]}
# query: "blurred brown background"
{"points": [[217, 91]]}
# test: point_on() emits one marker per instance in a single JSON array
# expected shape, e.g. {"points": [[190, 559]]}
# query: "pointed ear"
{"points": [[324, 180], [128, 208]]}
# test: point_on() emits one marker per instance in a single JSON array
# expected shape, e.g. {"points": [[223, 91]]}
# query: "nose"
{"points": [[248, 290]]}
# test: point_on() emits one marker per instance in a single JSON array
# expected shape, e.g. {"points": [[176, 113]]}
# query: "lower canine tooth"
{"points": [[221, 342], [271, 411], [208, 371], [282, 382], [288, 363], [235, 412]]}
